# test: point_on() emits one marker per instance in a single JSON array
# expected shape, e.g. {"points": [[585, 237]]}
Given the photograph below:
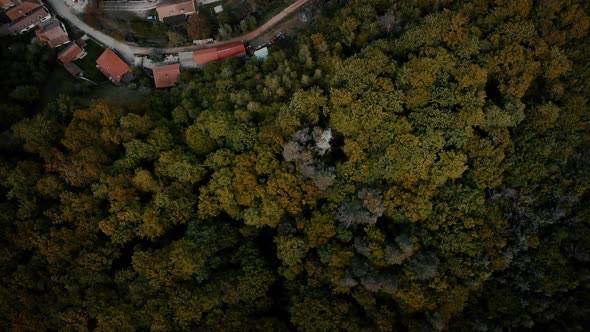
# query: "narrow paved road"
{"points": [[128, 52], [249, 36], [62, 10], [131, 6]]}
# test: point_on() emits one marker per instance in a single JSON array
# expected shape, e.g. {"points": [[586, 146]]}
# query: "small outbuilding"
{"points": [[261, 53], [73, 69], [201, 57], [166, 76], [71, 53]]}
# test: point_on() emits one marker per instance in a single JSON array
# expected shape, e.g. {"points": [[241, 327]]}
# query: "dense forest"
{"points": [[415, 165]]}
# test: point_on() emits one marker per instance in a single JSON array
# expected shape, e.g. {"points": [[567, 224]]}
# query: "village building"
{"points": [[112, 66], [201, 57], [73, 69], [54, 34], [231, 50], [261, 53], [22, 9], [71, 53], [175, 12], [166, 76], [5, 4], [30, 21]]}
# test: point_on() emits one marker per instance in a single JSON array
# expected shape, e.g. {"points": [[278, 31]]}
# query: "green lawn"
{"points": [[149, 29], [88, 63]]}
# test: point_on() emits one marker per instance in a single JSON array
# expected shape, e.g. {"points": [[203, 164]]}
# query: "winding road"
{"points": [[128, 52]]}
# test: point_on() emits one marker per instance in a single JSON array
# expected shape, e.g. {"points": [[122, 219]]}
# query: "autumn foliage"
{"points": [[408, 165]]}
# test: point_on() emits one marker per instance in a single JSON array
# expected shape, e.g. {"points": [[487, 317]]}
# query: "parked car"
{"points": [[152, 18]]}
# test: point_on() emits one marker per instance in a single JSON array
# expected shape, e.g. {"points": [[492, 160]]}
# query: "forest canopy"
{"points": [[401, 165]]}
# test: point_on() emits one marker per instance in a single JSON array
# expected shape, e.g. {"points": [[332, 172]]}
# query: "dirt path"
{"points": [[128, 52]]}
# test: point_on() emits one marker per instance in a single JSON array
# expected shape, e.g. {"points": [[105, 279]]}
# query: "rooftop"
{"points": [[73, 69], [186, 7], [227, 51], [34, 18], [53, 34], [71, 53], [22, 10], [261, 53], [112, 66], [6, 3], [201, 57], [166, 76]]}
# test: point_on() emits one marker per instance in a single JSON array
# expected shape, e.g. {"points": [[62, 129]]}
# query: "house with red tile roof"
{"points": [[5, 4], [174, 11], [30, 21], [231, 50], [23, 9], [54, 34], [71, 53], [166, 76], [112, 66], [201, 57]]}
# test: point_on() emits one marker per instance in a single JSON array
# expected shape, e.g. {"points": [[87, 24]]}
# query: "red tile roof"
{"points": [[33, 19], [71, 53], [111, 65], [175, 9], [22, 10], [202, 57], [230, 50], [166, 76], [53, 34], [73, 69], [6, 3]]}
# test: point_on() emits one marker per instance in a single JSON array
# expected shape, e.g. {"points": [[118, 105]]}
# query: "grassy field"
{"points": [[121, 95], [146, 29], [88, 63]]}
